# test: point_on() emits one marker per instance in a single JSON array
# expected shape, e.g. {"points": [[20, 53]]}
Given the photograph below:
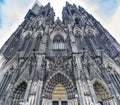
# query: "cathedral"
{"points": [[47, 61]]}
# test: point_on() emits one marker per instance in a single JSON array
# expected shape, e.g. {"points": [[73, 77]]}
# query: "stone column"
{"points": [[79, 83], [9, 93], [34, 40], [27, 91], [9, 99], [92, 92], [112, 89], [80, 92], [44, 40], [72, 40], [39, 83], [38, 93]]}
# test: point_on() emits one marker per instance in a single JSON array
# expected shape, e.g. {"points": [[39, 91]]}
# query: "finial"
{"points": [[37, 2], [58, 18], [68, 4]]}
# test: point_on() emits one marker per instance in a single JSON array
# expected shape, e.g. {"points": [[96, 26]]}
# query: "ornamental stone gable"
{"points": [[73, 61]]}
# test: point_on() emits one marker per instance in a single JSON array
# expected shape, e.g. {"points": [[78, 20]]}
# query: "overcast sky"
{"points": [[12, 13]]}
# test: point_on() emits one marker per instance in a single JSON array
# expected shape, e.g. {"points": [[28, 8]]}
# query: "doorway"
{"points": [[59, 95], [59, 103]]}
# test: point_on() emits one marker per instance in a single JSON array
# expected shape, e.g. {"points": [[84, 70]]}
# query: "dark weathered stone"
{"points": [[77, 53]]}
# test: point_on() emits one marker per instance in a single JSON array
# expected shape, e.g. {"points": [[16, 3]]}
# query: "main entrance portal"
{"points": [[59, 96], [59, 90]]}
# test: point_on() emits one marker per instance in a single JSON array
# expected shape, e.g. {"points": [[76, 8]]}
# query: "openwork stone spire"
{"points": [[73, 61]]}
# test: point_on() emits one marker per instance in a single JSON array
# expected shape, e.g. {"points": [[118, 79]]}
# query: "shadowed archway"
{"points": [[102, 93], [18, 93], [59, 81]]}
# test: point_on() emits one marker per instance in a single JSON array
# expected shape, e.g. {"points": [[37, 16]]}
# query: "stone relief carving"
{"points": [[34, 88], [43, 68], [87, 66]]}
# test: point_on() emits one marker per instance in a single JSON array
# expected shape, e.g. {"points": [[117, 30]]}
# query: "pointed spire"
{"points": [[36, 6], [48, 5], [74, 5], [68, 4], [38, 3], [81, 9]]}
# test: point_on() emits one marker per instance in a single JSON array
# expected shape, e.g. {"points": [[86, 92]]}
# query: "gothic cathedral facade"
{"points": [[52, 62]]}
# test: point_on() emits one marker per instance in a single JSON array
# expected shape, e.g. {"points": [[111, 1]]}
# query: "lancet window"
{"points": [[26, 43], [115, 78], [58, 42], [5, 81], [38, 42]]}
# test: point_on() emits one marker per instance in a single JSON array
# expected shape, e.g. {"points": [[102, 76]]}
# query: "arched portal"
{"points": [[59, 92], [102, 93], [59, 89], [18, 93]]}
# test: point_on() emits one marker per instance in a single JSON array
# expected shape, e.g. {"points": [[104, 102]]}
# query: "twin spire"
{"points": [[37, 6]]}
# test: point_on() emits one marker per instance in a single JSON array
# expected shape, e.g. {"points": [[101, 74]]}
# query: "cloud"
{"points": [[108, 16], [12, 13], [105, 7], [1, 1], [11, 16], [114, 26]]}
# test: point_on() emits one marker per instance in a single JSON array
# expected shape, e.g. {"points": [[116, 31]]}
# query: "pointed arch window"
{"points": [[43, 13], [115, 77], [72, 11], [78, 39], [77, 20], [5, 81], [58, 42], [38, 42], [26, 42], [91, 41]]}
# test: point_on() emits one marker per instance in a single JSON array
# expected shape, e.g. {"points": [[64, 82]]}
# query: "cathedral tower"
{"points": [[52, 62]]}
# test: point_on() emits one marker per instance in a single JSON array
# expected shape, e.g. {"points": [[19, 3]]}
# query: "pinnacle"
{"points": [[37, 3]]}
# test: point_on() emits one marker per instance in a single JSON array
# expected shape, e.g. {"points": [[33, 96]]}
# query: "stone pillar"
{"points": [[81, 97], [44, 40], [92, 92], [9, 90], [10, 96], [39, 83], [38, 93], [27, 91], [79, 84], [72, 40], [34, 40]]}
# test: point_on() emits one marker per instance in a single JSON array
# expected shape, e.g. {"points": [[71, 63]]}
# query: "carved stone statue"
{"points": [[34, 88]]}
